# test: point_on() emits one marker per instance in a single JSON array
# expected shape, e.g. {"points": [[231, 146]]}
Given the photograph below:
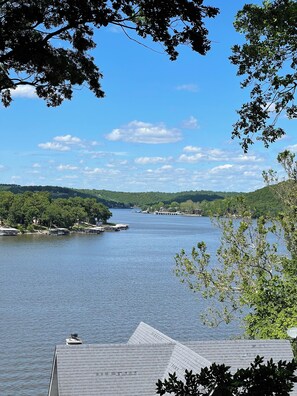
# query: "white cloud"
{"points": [[103, 154], [187, 87], [191, 158], [163, 169], [1, 167], [143, 132], [53, 146], [166, 167], [251, 174], [271, 107], [66, 167], [248, 158], [191, 149], [151, 160], [195, 154], [100, 171], [36, 165], [292, 148], [191, 123], [217, 154], [220, 168], [24, 91], [64, 143], [69, 139]]}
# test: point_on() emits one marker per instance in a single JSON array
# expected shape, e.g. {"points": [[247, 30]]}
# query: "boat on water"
{"points": [[73, 340], [4, 231]]}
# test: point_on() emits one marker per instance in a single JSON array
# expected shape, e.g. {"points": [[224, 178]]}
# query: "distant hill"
{"points": [[150, 198], [55, 191], [261, 201], [120, 199], [264, 201]]}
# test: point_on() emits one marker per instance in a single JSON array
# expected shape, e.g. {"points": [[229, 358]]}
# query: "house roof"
{"points": [[182, 357], [123, 370], [133, 369], [240, 353]]}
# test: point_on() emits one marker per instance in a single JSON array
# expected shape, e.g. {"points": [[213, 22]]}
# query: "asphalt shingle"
{"points": [[133, 369]]}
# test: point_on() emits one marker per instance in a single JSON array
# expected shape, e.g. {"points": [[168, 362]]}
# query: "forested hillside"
{"points": [[120, 199], [264, 201], [261, 202], [55, 192], [142, 199]]}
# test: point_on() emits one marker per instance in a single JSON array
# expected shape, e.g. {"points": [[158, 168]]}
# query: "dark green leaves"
{"points": [[268, 63], [260, 379], [45, 43]]}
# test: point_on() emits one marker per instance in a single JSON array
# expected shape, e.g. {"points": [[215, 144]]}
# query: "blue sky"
{"points": [[163, 126]]}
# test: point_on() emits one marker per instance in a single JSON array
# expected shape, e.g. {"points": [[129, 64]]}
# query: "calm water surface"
{"points": [[100, 286]]}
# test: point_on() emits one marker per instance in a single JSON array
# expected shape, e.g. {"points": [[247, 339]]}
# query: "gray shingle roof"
{"points": [[182, 357], [123, 370], [145, 334], [133, 369], [240, 353]]}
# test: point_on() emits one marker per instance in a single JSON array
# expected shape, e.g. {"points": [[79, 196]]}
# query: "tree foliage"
{"points": [[255, 273], [38, 207], [268, 60], [46, 43], [151, 198], [260, 379]]}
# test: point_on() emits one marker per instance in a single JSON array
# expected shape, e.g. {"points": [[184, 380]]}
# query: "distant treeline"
{"points": [[141, 199], [33, 209], [54, 191], [262, 202], [207, 203]]}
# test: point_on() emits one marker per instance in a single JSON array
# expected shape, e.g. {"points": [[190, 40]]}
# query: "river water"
{"points": [[100, 286]]}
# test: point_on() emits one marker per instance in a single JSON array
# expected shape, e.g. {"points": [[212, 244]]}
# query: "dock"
{"points": [[58, 231], [157, 212]]}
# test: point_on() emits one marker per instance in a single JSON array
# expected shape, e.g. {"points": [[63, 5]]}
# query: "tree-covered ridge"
{"points": [[54, 191], [29, 209], [120, 199], [261, 202], [142, 199], [208, 203]]}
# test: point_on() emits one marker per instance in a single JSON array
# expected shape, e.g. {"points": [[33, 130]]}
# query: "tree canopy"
{"points": [[46, 43], [255, 272], [268, 62], [38, 207]]}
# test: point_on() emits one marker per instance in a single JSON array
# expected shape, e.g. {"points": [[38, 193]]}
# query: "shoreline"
{"points": [[59, 231]]}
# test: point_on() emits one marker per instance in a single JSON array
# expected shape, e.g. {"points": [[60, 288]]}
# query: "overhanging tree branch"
{"points": [[27, 50]]}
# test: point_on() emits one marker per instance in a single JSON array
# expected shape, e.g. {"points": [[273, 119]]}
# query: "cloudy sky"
{"points": [[162, 126]]}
